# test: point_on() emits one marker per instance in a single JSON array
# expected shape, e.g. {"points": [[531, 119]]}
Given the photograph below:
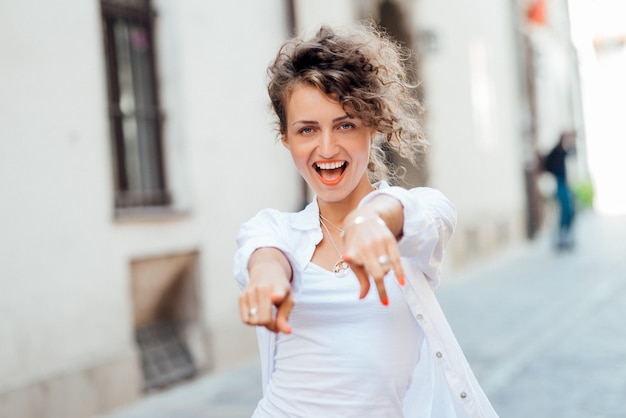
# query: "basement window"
{"points": [[170, 338]]}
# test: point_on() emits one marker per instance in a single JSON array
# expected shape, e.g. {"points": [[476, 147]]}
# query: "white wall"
{"points": [[62, 297], [234, 164], [554, 83], [472, 107], [66, 302], [311, 14]]}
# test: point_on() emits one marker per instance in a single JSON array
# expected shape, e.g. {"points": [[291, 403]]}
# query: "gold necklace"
{"points": [[332, 224], [341, 267]]}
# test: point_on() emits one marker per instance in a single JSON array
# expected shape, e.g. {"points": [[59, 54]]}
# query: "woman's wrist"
{"points": [[272, 260], [383, 209], [361, 219]]}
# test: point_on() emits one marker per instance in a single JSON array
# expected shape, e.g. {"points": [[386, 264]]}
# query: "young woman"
{"points": [[342, 291]]}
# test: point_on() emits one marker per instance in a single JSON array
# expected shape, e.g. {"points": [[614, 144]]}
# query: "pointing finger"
{"points": [[364, 280]]}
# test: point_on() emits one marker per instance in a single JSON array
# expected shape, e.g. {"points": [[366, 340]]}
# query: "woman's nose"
{"points": [[327, 145]]}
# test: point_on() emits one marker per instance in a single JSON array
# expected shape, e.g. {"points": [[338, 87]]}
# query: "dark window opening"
{"points": [[165, 359], [134, 112], [166, 319], [393, 20]]}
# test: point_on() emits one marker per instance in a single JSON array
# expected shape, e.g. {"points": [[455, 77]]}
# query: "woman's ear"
{"points": [[283, 139]]}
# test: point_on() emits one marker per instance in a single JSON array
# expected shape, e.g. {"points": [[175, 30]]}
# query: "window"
{"points": [[134, 113], [166, 318]]}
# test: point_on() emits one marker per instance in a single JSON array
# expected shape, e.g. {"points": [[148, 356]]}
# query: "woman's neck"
{"points": [[336, 212]]}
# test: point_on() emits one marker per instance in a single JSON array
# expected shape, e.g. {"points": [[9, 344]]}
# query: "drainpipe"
{"points": [[290, 11], [291, 16]]}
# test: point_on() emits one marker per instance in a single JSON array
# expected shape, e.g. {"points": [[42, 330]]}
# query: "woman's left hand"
{"points": [[371, 246]]}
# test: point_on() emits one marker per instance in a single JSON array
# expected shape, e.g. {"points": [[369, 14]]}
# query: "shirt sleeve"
{"points": [[429, 222], [265, 229]]}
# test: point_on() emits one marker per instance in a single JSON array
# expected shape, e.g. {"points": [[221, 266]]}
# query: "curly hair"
{"points": [[362, 68]]}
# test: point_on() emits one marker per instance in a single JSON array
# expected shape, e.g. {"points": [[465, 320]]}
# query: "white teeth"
{"points": [[330, 166]]}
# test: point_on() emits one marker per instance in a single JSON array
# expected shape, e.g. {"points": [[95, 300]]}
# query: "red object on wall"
{"points": [[536, 12]]}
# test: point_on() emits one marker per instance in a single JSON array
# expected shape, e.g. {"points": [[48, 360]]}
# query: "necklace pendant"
{"points": [[341, 268]]}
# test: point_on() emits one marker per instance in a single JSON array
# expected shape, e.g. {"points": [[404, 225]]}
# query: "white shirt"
{"points": [[442, 384], [345, 357]]}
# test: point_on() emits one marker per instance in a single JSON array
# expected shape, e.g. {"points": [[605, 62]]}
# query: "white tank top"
{"points": [[345, 357]]}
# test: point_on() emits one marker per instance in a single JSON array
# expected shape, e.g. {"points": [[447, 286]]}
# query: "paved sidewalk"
{"points": [[230, 394], [542, 330]]}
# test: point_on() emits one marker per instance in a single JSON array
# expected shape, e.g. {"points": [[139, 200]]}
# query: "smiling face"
{"points": [[330, 148]]}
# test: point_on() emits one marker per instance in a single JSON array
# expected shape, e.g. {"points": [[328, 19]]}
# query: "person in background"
{"points": [[341, 292], [555, 163]]}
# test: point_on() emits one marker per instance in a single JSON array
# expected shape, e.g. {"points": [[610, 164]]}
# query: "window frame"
{"points": [[137, 13]]}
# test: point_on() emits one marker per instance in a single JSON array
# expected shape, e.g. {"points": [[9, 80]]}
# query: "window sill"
{"points": [[149, 214]]}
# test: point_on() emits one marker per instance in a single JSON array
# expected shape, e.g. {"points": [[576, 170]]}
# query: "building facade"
{"points": [[137, 137]]}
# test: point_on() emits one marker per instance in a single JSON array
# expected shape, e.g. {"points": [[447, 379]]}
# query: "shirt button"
{"points": [[420, 317], [463, 395], [439, 354]]}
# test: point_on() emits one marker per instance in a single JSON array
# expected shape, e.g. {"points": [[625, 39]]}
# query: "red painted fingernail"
{"points": [[401, 280], [385, 301]]}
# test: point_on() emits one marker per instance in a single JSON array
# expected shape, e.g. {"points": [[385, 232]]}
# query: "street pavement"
{"points": [[543, 331]]}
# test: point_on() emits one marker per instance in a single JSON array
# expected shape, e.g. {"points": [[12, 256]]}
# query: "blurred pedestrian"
{"points": [[555, 163], [329, 346]]}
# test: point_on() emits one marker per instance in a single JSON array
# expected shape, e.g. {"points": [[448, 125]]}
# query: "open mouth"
{"points": [[330, 172]]}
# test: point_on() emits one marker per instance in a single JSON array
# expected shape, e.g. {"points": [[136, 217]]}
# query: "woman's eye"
{"points": [[306, 130], [346, 126]]}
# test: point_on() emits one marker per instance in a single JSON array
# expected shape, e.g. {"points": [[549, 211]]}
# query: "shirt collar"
{"points": [[307, 218]]}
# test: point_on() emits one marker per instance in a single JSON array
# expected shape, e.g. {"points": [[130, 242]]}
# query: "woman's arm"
{"points": [[263, 270], [269, 286], [371, 234], [429, 223], [416, 224]]}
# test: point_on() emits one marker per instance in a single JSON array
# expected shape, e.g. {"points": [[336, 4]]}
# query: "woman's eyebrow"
{"points": [[305, 122], [314, 122]]}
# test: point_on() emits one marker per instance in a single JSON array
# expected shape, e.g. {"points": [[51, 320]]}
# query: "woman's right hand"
{"points": [[371, 243], [267, 298]]}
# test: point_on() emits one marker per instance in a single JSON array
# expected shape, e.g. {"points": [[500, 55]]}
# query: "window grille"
{"points": [[134, 112], [164, 356]]}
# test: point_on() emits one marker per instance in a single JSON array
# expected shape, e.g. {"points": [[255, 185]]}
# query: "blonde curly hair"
{"points": [[362, 68]]}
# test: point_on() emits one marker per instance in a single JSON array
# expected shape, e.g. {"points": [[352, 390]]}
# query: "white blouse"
{"points": [[441, 384], [345, 357]]}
